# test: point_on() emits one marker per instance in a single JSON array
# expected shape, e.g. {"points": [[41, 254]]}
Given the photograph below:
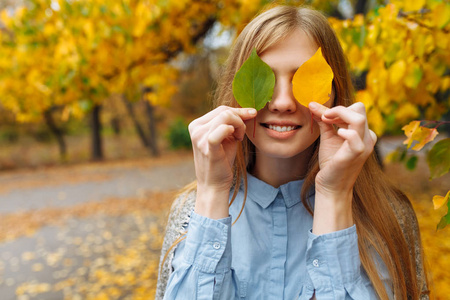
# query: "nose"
{"points": [[283, 99]]}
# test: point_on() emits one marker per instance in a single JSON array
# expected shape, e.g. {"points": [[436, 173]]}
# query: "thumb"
{"points": [[317, 111]]}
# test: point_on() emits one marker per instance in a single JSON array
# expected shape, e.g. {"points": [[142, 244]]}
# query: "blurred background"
{"points": [[95, 98]]}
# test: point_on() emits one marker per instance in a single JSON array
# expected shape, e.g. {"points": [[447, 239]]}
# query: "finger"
{"points": [[354, 119], [317, 109], [353, 139], [244, 113], [373, 136], [229, 118], [220, 133], [358, 107]]}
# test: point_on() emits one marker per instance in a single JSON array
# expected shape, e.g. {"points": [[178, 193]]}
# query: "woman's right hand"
{"points": [[214, 139]]}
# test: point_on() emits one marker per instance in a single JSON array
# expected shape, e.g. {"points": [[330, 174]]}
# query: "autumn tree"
{"points": [[72, 55]]}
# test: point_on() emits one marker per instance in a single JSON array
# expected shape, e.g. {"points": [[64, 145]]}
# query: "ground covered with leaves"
{"points": [[103, 250], [110, 249]]}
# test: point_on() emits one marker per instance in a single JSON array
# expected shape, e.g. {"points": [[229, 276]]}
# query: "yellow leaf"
{"points": [[439, 201], [397, 71], [413, 76], [409, 130], [445, 83], [413, 5], [422, 135], [365, 97], [376, 121], [406, 112], [312, 81], [441, 15]]}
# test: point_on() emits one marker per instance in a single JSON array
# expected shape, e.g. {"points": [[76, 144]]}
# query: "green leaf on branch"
{"points": [[439, 158], [253, 84], [445, 220], [411, 163]]}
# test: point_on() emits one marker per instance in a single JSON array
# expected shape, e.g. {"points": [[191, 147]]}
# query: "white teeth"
{"points": [[281, 128]]}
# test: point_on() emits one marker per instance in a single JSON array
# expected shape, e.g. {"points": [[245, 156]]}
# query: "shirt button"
{"points": [[216, 245], [315, 263]]}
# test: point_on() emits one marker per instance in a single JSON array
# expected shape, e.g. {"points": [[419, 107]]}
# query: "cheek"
{"points": [[249, 126]]}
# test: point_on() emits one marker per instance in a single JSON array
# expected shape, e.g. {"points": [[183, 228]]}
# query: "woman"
{"points": [[313, 216]]}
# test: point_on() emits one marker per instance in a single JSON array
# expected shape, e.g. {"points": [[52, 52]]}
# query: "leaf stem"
{"points": [[439, 123]]}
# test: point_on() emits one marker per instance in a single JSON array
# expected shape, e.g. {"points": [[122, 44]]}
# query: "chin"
{"points": [[285, 151]]}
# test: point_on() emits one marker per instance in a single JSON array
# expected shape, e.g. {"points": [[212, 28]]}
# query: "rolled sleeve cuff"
{"points": [[333, 259], [208, 244]]}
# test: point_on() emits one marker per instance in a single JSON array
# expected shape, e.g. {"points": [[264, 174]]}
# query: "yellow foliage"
{"points": [[376, 121], [90, 49], [406, 112], [405, 50]]}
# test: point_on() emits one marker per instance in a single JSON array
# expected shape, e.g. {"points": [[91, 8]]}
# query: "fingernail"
{"points": [[313, 105], [251, 111]]}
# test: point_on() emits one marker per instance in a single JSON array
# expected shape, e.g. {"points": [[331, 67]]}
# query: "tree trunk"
{"points": [[96, 128], [152, 124], [361, 7], [58, 133], [140, 131]]}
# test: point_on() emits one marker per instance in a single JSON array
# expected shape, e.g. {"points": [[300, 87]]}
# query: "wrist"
{"points": [[212, 202], [332, 212]]}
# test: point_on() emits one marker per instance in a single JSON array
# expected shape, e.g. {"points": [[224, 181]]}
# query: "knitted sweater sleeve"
{"points": [[410, 226], [176, 228]]}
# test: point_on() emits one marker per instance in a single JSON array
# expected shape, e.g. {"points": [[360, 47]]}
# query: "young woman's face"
{"points": [[283, 127]]}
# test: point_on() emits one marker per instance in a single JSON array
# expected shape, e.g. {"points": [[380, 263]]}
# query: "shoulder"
{"points": [[176, 227]]}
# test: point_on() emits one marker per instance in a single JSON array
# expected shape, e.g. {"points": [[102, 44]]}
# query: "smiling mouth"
{"points": [[279, 128]]}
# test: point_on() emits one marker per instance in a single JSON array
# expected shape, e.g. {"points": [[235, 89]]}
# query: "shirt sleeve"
{"points": [[202, 262], [334, 266]]}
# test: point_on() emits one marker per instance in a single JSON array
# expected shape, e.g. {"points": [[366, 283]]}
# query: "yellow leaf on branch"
{"points": [[441, 15], [422, 135], [397, 71], [439, 201]]}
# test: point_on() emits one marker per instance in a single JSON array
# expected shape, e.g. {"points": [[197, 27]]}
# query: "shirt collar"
{"points": [[264, 194]]}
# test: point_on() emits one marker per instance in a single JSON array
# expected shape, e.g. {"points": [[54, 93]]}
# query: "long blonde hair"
{"points": [[374, 199]]}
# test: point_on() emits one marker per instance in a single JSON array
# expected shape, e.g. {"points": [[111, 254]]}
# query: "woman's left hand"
{"points": [[342, 152]]}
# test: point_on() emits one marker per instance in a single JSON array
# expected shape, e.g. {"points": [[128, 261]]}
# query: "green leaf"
{"points": [[253, 84], [411, 163], [402, 155], [439, 158], [445, 220], [413, 79]]}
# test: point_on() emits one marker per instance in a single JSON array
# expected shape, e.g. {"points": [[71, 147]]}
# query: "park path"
{"points": [[87, 217], [67, 186]]}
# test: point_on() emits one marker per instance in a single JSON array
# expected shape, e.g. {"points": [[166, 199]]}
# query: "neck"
{"points": [[277, 171]]}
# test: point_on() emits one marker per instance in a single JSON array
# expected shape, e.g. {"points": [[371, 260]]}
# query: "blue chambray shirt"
{"points": [[269, 253]]}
